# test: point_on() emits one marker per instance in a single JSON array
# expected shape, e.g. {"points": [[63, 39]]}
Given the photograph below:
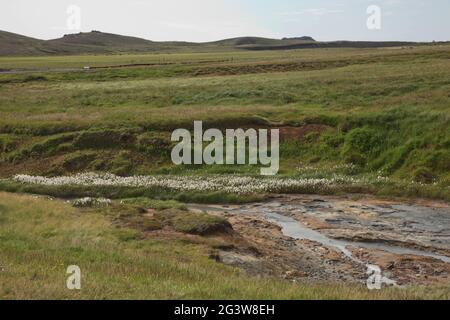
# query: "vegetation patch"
{"points": [[392, 124], [101, 139], [140, 217], [91, 202], [149, 203], [194, 223], [158, 269]]}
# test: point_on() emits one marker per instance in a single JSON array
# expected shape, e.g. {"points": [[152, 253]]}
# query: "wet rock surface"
{"points": [[329, 238]]}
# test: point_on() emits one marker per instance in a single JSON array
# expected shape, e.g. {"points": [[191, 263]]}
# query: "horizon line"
{"points": [[220, 39]]}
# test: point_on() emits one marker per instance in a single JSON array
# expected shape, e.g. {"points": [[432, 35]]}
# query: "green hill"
{"points": [[99, 42], [96, 42], [15, 44], [243, 42]]}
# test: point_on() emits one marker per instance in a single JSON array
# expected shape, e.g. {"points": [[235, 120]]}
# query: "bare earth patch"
{"points": [[397, 237]]}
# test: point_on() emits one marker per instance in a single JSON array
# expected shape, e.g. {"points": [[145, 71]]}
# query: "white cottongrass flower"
{"points": [[224, 183], [91, 202]]}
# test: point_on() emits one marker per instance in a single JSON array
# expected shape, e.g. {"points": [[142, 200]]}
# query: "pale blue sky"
{"points": [[205, 20]]}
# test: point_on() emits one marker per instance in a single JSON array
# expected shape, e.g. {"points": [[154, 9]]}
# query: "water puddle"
{"points": [[273, 212], [294, 229]]}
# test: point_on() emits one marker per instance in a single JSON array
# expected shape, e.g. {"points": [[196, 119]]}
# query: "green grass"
{"points": [[383, 111], [40, 238], [155, 204], [135, 213], [124, 193], [380, 112]]}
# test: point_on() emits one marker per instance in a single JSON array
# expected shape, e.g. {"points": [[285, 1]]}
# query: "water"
{"points": [[294, 229]]}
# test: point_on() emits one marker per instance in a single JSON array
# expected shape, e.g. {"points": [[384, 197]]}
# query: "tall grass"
{"points": [[385, 111], [40, 238]]}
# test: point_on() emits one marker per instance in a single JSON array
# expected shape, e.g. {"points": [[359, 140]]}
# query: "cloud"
{"points": [[313, 11]]}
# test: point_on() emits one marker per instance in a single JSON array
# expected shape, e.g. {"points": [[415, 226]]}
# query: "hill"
{"points": [[15, 44], [100, 42], [304, 38], [243, 42], [96, 42]]}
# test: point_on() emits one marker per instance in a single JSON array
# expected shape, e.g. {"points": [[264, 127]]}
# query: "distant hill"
{"points": [[336, 44], [97, 38], [15, 44], [305, 38], [255, 41], [100, 42], [96, 42]]}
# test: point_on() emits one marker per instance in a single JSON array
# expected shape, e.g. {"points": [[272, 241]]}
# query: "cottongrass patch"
{"points": [[222, 183], [89, 202]]}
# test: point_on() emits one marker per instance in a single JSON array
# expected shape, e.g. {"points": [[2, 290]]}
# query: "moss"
{"points": [[332, 139], [216, 197], [154, 144], [354, 157], [46, 147], [126, 235], [194, 223], [438, 160], [129, 215], [154, 203], [50, 145], [122, 164], [78, 161], [363, 140], [108, 138], [142, 223], [7, 143]]}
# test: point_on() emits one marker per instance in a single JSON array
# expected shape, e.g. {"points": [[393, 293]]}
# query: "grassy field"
{"points": [[40, 238], [356, 112], [368, 120]]}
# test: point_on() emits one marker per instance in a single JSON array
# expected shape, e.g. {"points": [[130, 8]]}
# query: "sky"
{"points": [[207, 20]]}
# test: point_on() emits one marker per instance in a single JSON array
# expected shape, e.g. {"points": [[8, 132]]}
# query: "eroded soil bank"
{"points": [[329, 238]]}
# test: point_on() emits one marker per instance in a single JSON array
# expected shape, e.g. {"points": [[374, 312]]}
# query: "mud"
{"points": [[325, 238]]}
